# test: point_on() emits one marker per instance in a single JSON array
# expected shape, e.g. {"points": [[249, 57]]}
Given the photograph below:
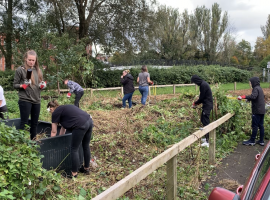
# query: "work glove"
{"points": [[193, 105], [42, 85], [241, 97], [26, 83], [151, 83], [68, 95], [24, 86]]}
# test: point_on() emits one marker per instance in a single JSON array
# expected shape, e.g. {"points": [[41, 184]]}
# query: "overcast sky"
{"points": [[246, 16]]}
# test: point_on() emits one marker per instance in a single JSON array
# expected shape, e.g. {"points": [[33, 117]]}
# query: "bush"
{"points": [[6, 79], [176, 75], [263, 63], [21, 173]]}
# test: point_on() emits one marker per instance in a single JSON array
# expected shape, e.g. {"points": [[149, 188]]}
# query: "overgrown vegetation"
{"points": [[123, 141]]}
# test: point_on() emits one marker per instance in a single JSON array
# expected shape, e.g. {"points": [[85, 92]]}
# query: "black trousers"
{"points": [[205, 119], [78, 96], [82, 136], [27, 108], [257, 122], [3, 112]]}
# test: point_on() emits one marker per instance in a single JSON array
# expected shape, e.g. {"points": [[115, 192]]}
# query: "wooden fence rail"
{"points": [[169, 156]]}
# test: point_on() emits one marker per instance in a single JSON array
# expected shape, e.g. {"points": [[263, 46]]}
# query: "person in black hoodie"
{"points": [[127, 81], [206, 99], [258, 111]]}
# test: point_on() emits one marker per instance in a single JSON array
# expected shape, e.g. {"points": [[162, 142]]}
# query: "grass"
{"points": [[179, 89]]}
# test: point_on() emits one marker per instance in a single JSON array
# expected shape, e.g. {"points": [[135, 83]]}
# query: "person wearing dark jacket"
{"points": [[258, 111], [127, 82], [206, 99]]}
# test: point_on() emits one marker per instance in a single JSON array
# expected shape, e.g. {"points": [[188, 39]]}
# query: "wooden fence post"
{"points": [[173, 89], [195, 88], [91, 92], [171, 189], [212, 146], [234, 86], [122, 91]]}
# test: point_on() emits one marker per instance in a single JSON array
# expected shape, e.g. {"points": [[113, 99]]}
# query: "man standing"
{"points": [[76, 89], [3, 107], [258, 111], [207, 100]]}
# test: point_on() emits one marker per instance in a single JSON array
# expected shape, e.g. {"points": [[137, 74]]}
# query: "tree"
{"points": [[243, 52], [262, 48], [207, 27], [266, 29], [9, 23]]}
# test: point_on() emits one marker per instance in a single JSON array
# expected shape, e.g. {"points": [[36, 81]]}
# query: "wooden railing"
{"points": [[170, 157]]}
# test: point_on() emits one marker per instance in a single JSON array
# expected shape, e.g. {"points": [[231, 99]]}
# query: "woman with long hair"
{"points": [[144, 81], [127, 82], [28, 80], [80, 124]]}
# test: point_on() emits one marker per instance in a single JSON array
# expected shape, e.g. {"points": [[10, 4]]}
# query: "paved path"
{"points": [[234, 169]]}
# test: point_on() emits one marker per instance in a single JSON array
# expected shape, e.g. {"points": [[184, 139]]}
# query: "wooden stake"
{"points": [[122, 91], [173, 89], [234, 86], [196, 88], [212, 147], [171, 189]]}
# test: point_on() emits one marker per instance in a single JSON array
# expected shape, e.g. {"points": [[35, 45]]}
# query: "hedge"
{"points": [[175, 75], [107, 77]]}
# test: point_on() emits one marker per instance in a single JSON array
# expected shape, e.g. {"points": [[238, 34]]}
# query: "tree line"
{"points": [[61, 30]]}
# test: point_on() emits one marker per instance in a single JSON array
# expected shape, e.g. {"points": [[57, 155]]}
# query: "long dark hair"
{"points": [[144, 68]]}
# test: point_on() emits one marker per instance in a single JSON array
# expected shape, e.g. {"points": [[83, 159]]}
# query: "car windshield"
{"points": [[263, 168]]}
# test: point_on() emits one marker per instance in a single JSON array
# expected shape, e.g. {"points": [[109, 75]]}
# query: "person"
{"points": [[3, 107], [144, 81], [207, 100], [28, 80], [258, 111], [76, 89], [80, 124], [127, 81]]}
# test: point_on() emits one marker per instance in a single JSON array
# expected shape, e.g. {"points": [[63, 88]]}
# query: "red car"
{"points": [[257, 186]]}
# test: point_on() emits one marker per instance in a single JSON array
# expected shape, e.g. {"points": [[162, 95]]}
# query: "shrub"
{"points": [[176, 75], [6, 79], [21, 173]]}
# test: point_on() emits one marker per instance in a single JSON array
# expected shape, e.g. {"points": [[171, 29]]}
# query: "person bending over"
{"points": [[76, 89], [80, 124]]}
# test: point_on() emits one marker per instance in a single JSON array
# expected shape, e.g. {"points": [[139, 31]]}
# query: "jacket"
{"points": [[32, 92], [257, 97], [127, 82], [74, 87], [206, 97]]}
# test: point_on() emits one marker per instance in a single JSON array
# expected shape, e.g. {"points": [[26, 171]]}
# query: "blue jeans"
{"points": [[144, 90], [257, 122], [129, 98]]}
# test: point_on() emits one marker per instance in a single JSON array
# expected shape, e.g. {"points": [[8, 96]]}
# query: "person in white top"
{"points": [[3, 107]]}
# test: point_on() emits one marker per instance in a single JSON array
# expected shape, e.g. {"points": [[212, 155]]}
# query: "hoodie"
{"points": [[127, 82], [205, 93], [256, 97]]}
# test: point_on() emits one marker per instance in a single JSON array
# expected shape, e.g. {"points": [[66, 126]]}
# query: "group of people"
{"points": [[29, 81], [143, 80], [257, 105]]}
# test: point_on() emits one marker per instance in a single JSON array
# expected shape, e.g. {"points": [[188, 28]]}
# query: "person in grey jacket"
{"points": [[28, 80], [76, 89], [144, 81], [258, 111]]}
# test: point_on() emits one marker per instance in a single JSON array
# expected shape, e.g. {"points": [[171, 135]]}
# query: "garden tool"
{"points": [[154, 90]]}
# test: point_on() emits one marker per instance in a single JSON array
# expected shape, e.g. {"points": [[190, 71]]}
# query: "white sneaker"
{"points": [[203, 140], [205, 144]]}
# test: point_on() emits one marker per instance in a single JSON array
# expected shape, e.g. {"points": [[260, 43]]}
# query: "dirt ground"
{"points": [[236, 168]]}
